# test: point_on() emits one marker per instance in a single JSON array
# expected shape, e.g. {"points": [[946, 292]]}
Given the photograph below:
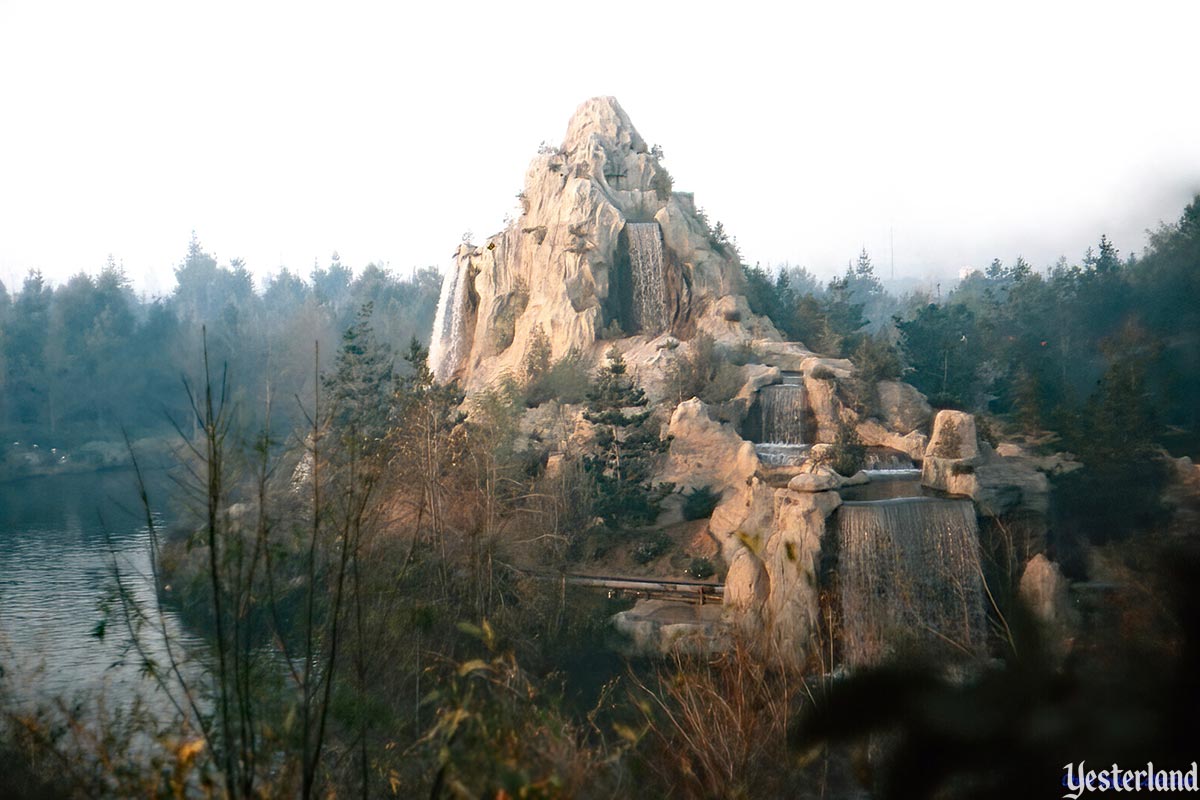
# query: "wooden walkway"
{"points": [[697, 592]]}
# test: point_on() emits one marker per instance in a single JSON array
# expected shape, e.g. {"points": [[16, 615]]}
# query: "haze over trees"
{"points": [[83, 360]]}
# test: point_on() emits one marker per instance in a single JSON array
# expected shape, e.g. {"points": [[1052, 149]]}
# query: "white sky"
{"points": [[283, 131]]}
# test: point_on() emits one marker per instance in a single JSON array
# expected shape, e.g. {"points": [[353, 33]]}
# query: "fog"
{"points": [[934, 136]]}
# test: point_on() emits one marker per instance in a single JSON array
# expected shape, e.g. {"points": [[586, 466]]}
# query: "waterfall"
{"points": [[648, 280], [909, 573], [449, 323], [781, 428], [782, 408]]}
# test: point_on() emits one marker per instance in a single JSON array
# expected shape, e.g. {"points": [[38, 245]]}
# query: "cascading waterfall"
{"points": [[909, 573], [648, 281], [781, 412], [449, 323]]}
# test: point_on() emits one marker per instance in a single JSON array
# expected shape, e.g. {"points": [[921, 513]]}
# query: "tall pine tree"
{"points": [[623, 461]]}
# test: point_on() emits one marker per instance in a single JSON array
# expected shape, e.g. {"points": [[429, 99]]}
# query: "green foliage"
{"points": [[875, 359], [848, 454], [650, 546], [499, 732], [612, 331], [360, 387], [944, 346], [704, 371], [700, 502], [94, 332], [700, 568], [661, 183], [566, 380], [622, 462], [536, 363]]}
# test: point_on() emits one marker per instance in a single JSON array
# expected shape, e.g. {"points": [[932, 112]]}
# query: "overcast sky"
{"points": [[282, 132]]}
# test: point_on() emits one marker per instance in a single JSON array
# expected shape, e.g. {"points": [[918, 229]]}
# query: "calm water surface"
{"points": [[61, 541]]}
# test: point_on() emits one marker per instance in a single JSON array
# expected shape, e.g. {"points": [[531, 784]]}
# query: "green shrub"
{"points": [[661, 183], [985, 431], [706, 372], [700, 568], [875, 359], [651, 546], [699, 503], [612, 331], [566, 381], [848, 453]]}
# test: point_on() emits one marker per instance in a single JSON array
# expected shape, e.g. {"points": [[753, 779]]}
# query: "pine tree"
{"points": [[360, 387], [623, 461]]}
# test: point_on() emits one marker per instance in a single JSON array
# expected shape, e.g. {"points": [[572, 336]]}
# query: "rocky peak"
{"points": [[601, 120], [604, 248]]}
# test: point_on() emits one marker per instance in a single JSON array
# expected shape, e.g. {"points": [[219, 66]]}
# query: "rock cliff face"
{"points": [[603, 246]]}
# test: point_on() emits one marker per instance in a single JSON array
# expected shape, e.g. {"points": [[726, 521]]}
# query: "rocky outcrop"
{"points": [[819, 481], [743, 518], [1046, 594], [874, 434], [954, 437], [704, 453], [660, 627], [902, 408], [563, 265], [957, 463], [827, 408], [791, 558], [747, 587]]}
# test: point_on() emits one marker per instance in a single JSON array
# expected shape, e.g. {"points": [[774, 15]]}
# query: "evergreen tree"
{"points": [[842, 318], [360, 387], [623, 461]]}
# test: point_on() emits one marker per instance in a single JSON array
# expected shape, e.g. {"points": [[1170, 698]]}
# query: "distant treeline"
{"points": [[1106, 351], [82, 361]]}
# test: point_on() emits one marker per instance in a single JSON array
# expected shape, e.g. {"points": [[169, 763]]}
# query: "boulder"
{"points": [[1046, 594], [857, 479], [822, 481], [954, 436], [903, 408], [746, 584], [704, 452], [837, 368], [660, 627], [789, 356], [873, 434], [826, 407]]}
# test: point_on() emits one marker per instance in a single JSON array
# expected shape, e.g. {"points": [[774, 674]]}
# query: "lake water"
{"points": [[63, 540]]}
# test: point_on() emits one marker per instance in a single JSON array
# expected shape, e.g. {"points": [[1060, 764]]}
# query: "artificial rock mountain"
{"points": [[564, 264], [606, 253]]}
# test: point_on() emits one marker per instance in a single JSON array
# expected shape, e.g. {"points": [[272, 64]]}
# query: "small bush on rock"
{"points": [[848, 454], [699, 503]]}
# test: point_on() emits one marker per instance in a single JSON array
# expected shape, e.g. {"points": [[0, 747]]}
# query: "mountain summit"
{"points": [[604, 248]]}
